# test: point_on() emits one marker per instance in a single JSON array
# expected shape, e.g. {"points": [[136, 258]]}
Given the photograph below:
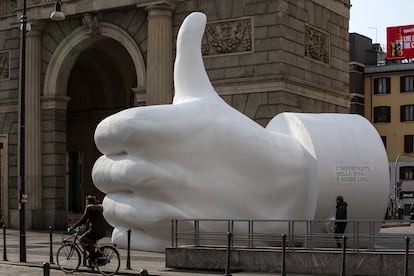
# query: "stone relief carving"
{"points": [[91, 22], [231, 36], [4, 65], [317, 44], [11, 6]]}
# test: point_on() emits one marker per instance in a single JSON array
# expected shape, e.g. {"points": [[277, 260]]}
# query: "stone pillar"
{"points": [[33, 134], [159, 54], [54, 164]]}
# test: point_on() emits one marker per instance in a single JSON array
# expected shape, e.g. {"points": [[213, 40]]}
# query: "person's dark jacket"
{"points": [[341, 213], [93, 217]]}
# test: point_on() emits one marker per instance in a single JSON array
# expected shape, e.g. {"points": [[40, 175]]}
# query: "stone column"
{"points": [[54, 108], [159, 54], [32, 126]]}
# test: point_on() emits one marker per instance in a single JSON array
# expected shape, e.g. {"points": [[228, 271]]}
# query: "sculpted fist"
{"points": [[200, 158]]}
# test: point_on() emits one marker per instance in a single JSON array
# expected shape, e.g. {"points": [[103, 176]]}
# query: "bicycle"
{"points": [[107, 260]]}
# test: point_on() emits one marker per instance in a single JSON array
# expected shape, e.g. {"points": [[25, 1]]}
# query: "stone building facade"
{"points": [[262, 56]]}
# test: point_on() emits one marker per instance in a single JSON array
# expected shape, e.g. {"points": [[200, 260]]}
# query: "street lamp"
{"points": [[22, 191], [376, 32], [25, 27], [57, 14]]}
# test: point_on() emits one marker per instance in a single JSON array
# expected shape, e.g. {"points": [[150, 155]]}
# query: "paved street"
{"points": [[23, 270], [38, 252]]}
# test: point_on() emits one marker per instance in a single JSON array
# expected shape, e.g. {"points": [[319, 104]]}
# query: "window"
{"points": [[356, 83], [407, 173], [357, 105], [382, 114], [407, 84], [407, 112], [356, 67], [382, 85], [408, 143]]}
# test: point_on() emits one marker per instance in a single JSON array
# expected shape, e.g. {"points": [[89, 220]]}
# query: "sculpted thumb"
{"points": [[190, 78]]}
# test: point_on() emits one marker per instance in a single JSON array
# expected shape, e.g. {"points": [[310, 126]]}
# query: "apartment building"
{"points": [[383, 92]]}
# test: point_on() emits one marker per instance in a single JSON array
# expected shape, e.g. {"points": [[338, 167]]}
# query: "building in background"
{"points": [[263, 57], [382, 90], [390, 107], [361, 53]]}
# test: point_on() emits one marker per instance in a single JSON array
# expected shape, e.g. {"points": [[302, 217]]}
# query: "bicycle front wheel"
{"points": [[108, 260], [68, 258]]}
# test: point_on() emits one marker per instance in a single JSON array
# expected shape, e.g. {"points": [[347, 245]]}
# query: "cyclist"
{"points": [[96, 224]]}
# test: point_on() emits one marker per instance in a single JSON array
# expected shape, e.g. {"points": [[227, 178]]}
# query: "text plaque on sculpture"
{"points": [[347, 174]]}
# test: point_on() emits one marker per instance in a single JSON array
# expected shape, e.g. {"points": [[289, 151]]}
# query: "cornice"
{"points": [[171, 4], [336, 6], [42, 10]]}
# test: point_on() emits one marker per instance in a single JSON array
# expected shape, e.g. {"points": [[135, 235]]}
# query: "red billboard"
{"points": [[400, 42]]}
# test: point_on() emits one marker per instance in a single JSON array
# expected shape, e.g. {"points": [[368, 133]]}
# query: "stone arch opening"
{"points": [[65, 55], [99, 84], [99, 74]]}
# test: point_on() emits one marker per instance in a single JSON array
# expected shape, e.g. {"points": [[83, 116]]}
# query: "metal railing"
{"points": [[300, 234]]}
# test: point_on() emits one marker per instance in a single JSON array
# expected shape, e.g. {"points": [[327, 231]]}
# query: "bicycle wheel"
{"points": [[108, 260], [68, 258]]}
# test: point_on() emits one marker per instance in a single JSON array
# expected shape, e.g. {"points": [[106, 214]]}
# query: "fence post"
{"points": [[229, 238], [407, 248], [4, 243], [51, 244], [251, 233], [283, 269], [196, 232], [46, 269], [128, 262], [172, 233], [143, 272], [343, 271], [176, 233]]}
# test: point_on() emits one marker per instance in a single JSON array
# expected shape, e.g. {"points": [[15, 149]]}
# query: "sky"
{"points": [[372, 17]]}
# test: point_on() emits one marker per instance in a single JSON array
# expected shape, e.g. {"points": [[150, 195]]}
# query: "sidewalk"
{"points": [[38, 253]]}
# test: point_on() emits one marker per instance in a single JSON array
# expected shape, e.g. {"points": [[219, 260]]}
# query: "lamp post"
{"points": [[56, 15], [376, 32], [22, 190]]}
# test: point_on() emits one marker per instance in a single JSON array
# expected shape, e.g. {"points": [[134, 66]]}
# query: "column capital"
{"points": [[36, 28], [55, 102], [150, 5], [140, 95]]}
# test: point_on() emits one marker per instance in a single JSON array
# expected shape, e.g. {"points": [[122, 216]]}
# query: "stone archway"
{"points": [[72, 54], [100, 84], [62, 60]]}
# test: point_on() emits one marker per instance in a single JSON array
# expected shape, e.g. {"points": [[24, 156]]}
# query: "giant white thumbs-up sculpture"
{"points": [[200, 158]]}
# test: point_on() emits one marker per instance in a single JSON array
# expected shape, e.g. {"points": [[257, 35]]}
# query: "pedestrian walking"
{"points": [[340, 215]]}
